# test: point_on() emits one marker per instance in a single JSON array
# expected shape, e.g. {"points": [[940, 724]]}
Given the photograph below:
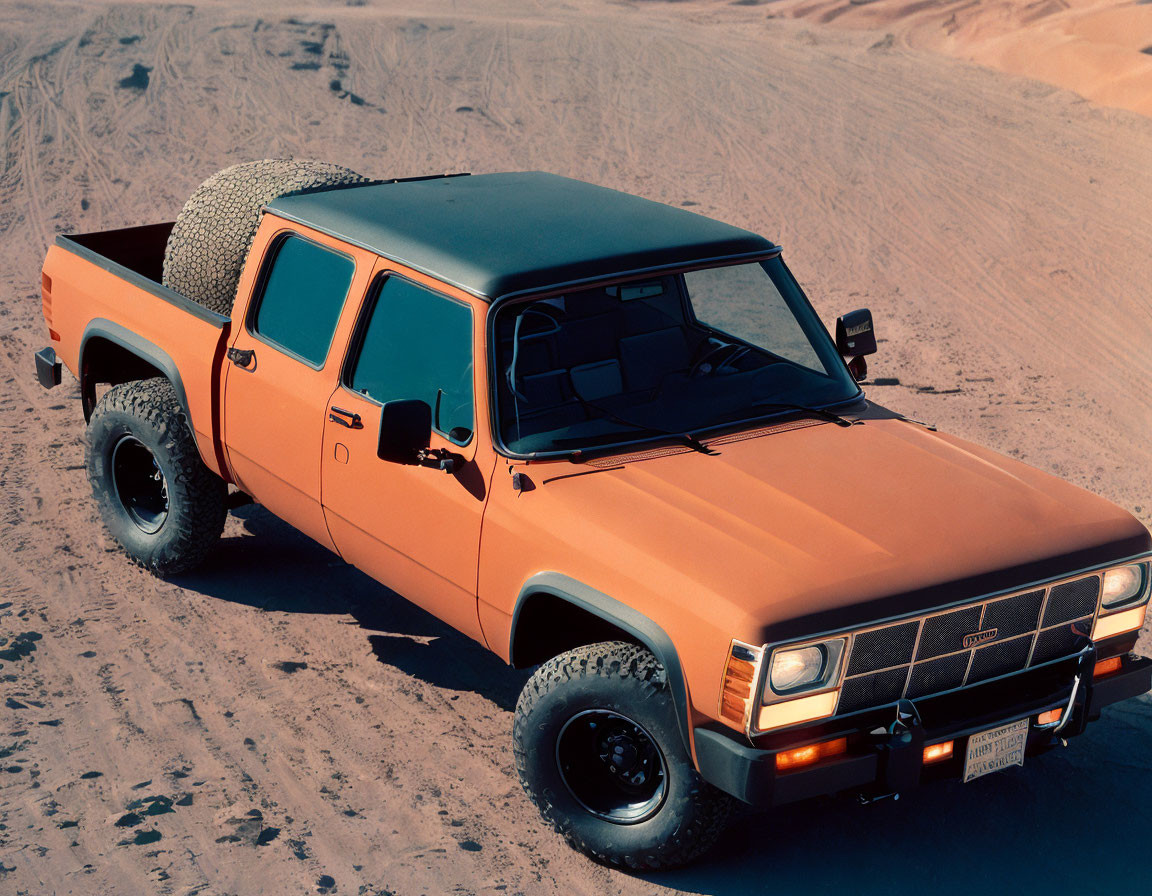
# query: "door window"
{"points": [[418, 344], [302, 297]]}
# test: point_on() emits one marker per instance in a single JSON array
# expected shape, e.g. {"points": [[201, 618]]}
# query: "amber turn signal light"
{"points": [[1050, 717], [1106, 667], [739, 679], [938, 752], [801, 756]]}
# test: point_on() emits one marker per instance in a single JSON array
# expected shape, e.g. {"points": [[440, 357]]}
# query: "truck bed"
{"points": [[104, 303]]}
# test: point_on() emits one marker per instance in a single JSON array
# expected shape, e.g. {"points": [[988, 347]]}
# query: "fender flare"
{"points": [[623, 617], [100, 328]]}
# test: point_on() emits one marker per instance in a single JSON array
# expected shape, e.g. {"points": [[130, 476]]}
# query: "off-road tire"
{"points": [[211, 238], [147, 412], [626, 679]]}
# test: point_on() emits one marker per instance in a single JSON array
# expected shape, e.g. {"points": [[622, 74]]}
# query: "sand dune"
{"points": [[279, 723], [1098, 48]]}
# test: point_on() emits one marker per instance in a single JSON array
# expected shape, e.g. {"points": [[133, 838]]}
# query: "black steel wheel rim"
{"points": [[139, 484], [612, 766]]}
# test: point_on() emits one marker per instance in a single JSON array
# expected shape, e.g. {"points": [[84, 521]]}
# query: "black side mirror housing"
{"points": [[405, 430], [855, 337]]}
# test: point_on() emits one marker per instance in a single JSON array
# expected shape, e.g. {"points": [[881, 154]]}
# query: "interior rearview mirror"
{"points": [[405, 430], [854, 334]]}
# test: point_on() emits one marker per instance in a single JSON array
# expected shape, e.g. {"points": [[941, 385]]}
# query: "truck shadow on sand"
{"points": [[278, 569], [1074, 820]]}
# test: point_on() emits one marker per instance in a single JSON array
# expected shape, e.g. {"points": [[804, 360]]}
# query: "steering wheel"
{"points": [[696, 368]]}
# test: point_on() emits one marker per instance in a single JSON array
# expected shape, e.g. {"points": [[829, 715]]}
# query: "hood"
{"points": [[820, 526]]}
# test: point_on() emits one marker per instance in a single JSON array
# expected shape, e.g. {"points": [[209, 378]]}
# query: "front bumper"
{"points": [[885, 753]]}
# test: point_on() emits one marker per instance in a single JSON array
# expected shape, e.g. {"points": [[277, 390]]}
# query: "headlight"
{"points": [[805, 668], [794, 668], [1123, 601], [1122, 585]]}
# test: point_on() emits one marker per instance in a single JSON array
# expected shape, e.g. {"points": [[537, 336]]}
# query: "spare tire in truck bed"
{"points": [[210, 240]]}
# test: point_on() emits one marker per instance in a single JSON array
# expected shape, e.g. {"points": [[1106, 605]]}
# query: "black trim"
{"points": [[1133, 679], [47, 367], [622, 616], [73, 243], [100, 328]]}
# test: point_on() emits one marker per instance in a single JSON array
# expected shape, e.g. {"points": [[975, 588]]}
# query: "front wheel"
{"points": [[599, 751], [155, 494]]}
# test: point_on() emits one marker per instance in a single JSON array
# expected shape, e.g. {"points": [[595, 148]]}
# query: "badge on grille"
{"points": [[980, 637]]}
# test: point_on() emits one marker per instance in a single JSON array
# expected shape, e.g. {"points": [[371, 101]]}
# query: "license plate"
{"points": [[996, 749]]}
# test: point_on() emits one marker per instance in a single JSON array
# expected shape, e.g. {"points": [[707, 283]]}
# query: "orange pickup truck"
{"points": [[611, 439]]}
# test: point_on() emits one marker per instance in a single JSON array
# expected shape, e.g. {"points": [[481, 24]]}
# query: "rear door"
{"points": [[283, 366], [417, 529]]}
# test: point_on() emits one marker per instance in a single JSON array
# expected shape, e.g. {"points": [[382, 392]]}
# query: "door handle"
{"points": [[345, 418], [244, 358]]}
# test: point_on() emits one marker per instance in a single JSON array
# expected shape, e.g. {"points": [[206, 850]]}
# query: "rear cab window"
{"points": [[301, 298], [417, 343]]}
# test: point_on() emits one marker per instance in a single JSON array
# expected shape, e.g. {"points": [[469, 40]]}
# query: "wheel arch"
{"points": [[582, 615], [111, 353]]}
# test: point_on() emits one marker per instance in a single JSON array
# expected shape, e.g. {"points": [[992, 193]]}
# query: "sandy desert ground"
{"points": [[280, 724]]}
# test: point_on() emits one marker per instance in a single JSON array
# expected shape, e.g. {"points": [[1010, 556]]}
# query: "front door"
{"points": [[281, 370], [415, 528]]}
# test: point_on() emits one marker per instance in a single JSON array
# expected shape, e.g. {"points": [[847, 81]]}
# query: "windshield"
{"points": [[678, 353]]}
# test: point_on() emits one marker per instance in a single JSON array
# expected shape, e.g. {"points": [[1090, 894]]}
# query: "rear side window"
{"points": [[418, 344], [302, 298]]}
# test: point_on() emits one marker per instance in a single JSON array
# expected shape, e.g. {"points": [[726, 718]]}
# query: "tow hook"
{"points": [[901, 748]]}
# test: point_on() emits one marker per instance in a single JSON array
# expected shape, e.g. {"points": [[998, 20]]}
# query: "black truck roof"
{"points": [[498, 234]]}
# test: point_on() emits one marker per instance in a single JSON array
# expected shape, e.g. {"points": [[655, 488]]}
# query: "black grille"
{"points": [[884, 647], [881, 668], [873, 690], [1014, 615], [1072, 600], [938, 675], [945, 633], [1063, 640], [1000, 658]]}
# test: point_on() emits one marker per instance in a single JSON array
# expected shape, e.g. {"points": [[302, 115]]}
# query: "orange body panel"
{"points": [[778, 527], [274, 412], [83, 292], [414, 528]]}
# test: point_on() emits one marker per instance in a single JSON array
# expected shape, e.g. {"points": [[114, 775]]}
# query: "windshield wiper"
{"points": [[613, 438], [816, 412], [684, 438]]}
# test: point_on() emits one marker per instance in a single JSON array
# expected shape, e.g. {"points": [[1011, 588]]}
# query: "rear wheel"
{"points": [[599, 751], [156, 497]]}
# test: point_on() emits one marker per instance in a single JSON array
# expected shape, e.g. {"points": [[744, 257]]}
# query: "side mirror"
{"points": [[854, 334], [405, 431], [855, 338]]}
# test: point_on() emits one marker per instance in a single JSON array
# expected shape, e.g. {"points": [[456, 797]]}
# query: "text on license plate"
{"points": [[995, 749]]}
